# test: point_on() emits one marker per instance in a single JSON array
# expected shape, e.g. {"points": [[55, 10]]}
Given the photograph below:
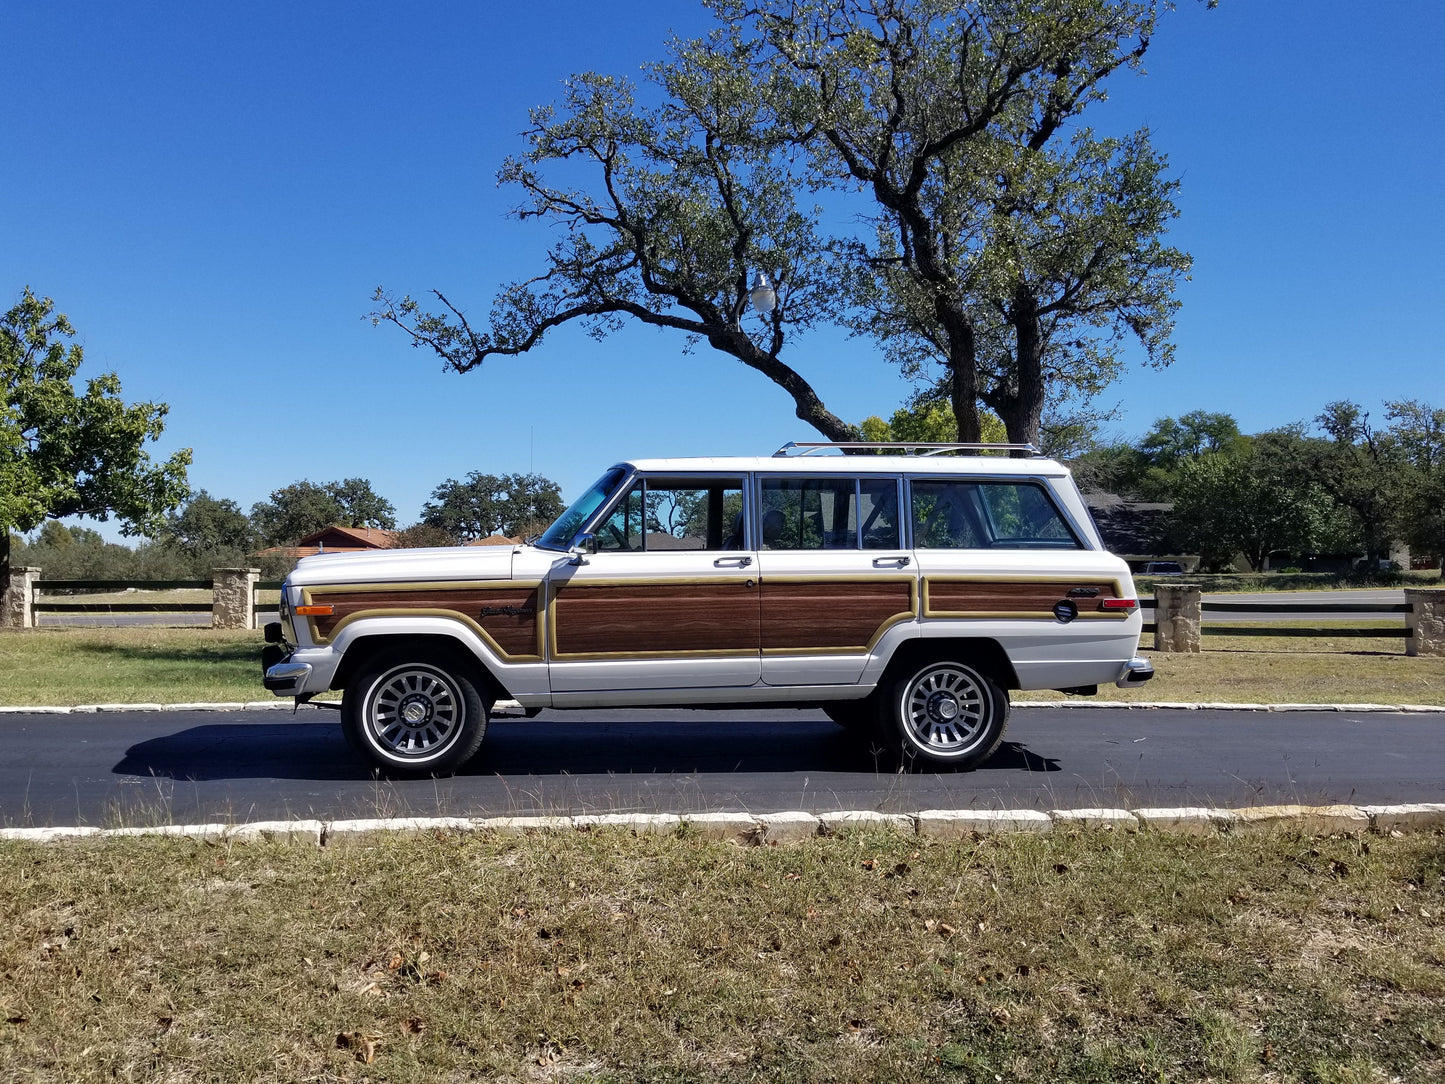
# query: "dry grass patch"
{"points": [[1286, 669], [1066, 957]]}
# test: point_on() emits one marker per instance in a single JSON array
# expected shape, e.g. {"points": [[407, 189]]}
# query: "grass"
{"points": [[1285, 669], [70, 666], [1088, 957]]}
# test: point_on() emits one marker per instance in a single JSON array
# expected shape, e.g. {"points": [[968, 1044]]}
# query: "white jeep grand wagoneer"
{"points": [[904, 594]]}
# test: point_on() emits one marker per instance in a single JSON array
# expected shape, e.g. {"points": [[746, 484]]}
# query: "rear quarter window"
{"points": [[987, 514]]}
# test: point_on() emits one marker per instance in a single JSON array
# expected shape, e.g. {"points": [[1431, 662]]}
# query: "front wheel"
{"points": [[944, 713], [413, 716]]}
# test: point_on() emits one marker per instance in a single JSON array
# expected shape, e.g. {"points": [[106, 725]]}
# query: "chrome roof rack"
{"points": [[907, 447]]}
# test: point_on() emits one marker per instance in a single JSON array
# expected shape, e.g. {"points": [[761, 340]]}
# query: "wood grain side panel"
{"points": [[1025, 597], [836, 615], [508, 615], [640, 619]]}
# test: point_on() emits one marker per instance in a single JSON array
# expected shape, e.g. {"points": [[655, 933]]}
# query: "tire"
{"points": [[412, 716], [852, 714], [943, 713]]}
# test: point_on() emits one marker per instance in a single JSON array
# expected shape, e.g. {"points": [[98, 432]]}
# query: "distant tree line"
{"points": [[208, 532], [1338, 484]]}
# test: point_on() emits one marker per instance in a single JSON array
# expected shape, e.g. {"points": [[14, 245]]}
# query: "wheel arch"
{"points": [[421, 645], [984, 654]]}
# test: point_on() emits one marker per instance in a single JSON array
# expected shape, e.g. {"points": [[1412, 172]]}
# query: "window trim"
{"points": [[635, 476], [755, 523], [1080, 538]]}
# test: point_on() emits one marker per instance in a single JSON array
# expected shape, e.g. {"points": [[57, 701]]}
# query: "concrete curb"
{"points": [[506, 706], [794, 826]]}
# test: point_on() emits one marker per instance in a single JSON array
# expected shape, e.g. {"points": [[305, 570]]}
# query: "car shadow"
{"points": [[548, 746]]}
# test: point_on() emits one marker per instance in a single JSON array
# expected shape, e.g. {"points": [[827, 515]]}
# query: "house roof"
{"points": [[1132, 527], [334, 539]]}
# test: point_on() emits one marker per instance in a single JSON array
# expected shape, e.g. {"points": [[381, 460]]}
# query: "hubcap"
{"points": [[946, 710], [413, 712]]}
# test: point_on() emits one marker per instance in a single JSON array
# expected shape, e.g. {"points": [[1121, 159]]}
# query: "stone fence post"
{"points": [[233, 592], [17, 609], [1177, 613], [1426, 620]]}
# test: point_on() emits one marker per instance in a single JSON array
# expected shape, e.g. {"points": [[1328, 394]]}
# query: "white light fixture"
{"points": [[763, 297]]}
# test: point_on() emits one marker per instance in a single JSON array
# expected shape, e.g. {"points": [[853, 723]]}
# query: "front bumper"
{"points": [[1136, 672], [287, 678]]}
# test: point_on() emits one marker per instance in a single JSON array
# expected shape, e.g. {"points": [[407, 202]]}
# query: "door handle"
{"points": [[732, 562], [897, 562]]}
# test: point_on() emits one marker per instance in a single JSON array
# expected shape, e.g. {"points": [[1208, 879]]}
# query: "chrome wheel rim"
{"points": [[946, 710], [413, 713]]}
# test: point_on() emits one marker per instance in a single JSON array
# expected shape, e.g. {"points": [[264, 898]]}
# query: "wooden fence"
{"points": [[51, 597]]}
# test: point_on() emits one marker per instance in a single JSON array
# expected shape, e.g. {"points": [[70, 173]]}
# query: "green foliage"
{"points": [[304, 507], [68, 454], [1248, 500], [678, 206], [1012, 257], [422, 536], [516, 505], [208, 524]]}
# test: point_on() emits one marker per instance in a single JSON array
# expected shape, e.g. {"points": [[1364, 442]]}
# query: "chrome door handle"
{"points": [[732, 562], [897, 562]]}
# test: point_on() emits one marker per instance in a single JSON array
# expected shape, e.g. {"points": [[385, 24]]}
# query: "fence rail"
{"points": [[52, 597]]}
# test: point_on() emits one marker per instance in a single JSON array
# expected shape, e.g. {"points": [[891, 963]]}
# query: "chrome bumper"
{"points": [[1136, 672], [286, 678]]}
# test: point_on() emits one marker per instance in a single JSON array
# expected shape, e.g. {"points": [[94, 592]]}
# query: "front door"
{"points": [[667, 600]]}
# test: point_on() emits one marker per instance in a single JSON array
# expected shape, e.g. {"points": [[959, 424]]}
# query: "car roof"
{"points": [[1034, 466]]}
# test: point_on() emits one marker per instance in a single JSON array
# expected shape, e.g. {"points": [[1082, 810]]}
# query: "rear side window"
{"points": [[829, 513], [958, 514]]}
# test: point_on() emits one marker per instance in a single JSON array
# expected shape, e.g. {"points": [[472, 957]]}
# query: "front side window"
{"points": [[957, 514], [675, 514], [829, 513]]}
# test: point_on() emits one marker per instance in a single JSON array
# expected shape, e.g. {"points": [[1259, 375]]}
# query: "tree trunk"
{"points": [[4, 561], [962, 370], [1020, 403]]}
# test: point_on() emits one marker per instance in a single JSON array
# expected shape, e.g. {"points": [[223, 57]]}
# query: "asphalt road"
{"points": [[121, 768]]}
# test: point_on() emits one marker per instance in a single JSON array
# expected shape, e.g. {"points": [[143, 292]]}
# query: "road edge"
{"points": [[794, 826]]}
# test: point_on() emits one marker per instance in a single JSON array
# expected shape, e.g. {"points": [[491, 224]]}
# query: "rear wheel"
{"points": [[943, 713], [413, 716], [852, 714]]}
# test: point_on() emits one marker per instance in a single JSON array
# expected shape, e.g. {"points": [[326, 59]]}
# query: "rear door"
{"points": [[835, 575]]}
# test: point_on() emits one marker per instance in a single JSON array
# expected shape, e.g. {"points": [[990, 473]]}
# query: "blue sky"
{"points": [[212, 192]]}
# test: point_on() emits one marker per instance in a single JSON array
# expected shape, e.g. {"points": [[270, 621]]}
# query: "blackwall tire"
{"points": [[413, 716], [852, 715], [943, 713]]}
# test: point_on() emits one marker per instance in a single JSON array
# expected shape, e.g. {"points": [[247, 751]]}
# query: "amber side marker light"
{"points": [[1106, 604], [315, 611]]}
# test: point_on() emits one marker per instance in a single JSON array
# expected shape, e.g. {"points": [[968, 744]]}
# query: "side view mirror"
{"points": [[585, 544]]}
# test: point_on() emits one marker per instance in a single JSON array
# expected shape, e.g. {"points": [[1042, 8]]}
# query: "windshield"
{"points": [[561, 534]]}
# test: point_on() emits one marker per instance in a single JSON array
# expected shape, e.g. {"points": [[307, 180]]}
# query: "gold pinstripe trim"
{"points": [[1064, 582], [640, 581], [309, 594], [849, 577]]}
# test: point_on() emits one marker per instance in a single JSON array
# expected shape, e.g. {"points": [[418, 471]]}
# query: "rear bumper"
{"points": [[1136, 672]]}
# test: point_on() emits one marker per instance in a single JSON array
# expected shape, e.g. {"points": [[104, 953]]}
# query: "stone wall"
{"points": [[16, 610], [233, 591], [1177, 613], [1426, 620]]}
